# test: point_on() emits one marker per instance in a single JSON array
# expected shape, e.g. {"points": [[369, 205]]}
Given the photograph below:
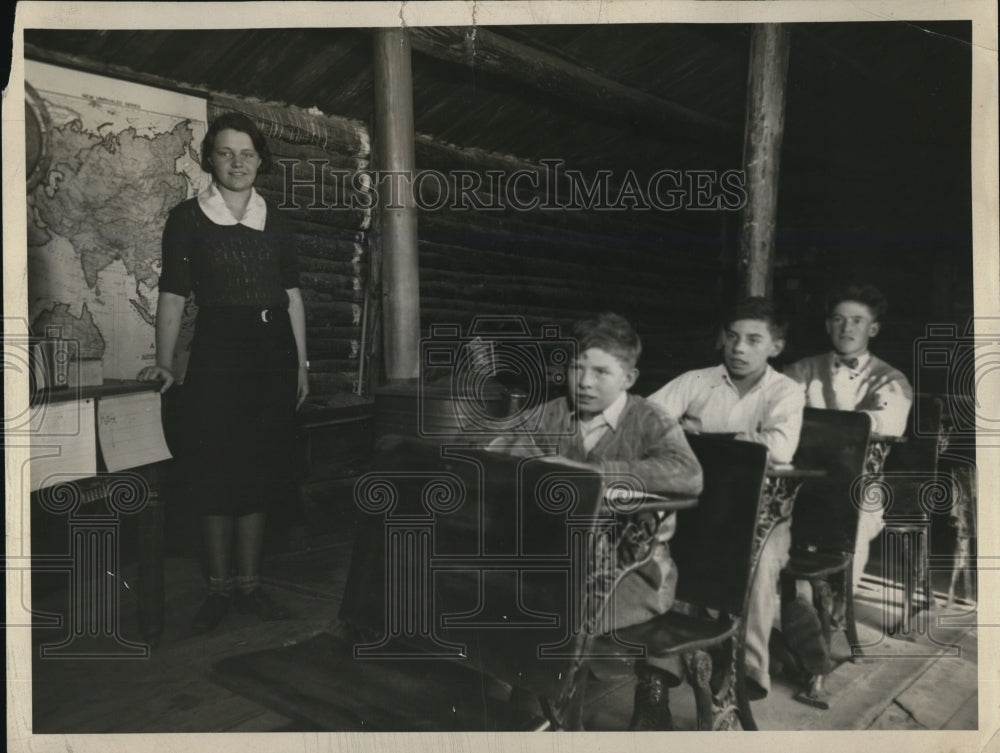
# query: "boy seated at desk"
{"points": [[745, 396], [601, 424], [849, 377]]}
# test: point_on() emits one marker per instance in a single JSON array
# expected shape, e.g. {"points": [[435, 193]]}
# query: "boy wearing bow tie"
{"points": [[851, 378]]}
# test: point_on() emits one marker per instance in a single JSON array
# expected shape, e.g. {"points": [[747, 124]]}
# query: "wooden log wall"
{"points": [[552, 266], [333, 237], [334, 232]]}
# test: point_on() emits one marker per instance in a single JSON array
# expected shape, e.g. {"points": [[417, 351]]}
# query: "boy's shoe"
{"points": [[754, 690], [784, 663], [802, 629], [210, 613], [259, 603], [651, 710]]}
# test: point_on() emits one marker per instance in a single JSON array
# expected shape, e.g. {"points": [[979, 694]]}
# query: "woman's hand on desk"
{"points": [[157, 373]]}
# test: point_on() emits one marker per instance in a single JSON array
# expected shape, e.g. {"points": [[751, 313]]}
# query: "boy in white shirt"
{"points": [[745, 396]]}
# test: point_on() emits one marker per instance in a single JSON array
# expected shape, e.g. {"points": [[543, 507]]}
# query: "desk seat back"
{"points": [[713, 545], [911, 469], [920, 451], [492, 578], [827, 509]]}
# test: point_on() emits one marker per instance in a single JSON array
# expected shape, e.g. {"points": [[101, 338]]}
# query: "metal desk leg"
{"points": [[151, 590]]}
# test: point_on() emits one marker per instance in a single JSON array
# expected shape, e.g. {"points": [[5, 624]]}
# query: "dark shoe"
{"points": [[259, 603], [802, 629], [838, 617], [755, 691], [210, 613], [651, 710], [784, 663]]}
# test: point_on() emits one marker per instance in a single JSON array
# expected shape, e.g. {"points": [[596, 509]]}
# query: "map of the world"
{"points": [[106, 161]]}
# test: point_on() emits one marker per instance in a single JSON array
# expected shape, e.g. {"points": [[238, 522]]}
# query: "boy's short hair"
{"points": [[611, 333], [864, 293], [761, 309]]}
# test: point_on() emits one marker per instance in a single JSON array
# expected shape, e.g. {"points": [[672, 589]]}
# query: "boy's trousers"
{"points": [[646, 592], [765, 602], [870, 524]]}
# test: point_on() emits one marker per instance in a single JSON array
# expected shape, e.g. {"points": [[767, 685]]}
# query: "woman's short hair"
{"points": [[611, 333], [235, 121], [864, 293]]}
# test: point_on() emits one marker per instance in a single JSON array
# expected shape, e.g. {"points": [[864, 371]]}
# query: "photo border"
{"points": [[986, 264]]}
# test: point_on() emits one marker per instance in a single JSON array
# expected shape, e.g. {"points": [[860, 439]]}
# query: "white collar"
{"points": [[613, 413], [214, 206], [722, 377]]}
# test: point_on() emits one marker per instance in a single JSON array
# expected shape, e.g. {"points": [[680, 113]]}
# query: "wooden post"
{"points": [[765, 125], [396, 207]]}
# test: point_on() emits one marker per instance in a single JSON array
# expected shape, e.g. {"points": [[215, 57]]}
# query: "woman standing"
{"points": [[247, 372]]}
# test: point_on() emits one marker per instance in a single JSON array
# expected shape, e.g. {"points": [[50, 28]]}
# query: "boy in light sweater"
{"points": [[850, 377], [599, 423]]}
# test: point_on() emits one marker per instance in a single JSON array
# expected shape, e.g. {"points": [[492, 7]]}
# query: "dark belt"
{"points": [[265, 315]]}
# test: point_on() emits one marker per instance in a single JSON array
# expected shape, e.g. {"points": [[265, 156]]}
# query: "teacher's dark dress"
{"points": [[237, 413]]}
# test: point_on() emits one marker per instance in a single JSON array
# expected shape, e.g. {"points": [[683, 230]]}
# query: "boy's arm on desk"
{"points": [[518, 445], [781, 424], [664, 461]]}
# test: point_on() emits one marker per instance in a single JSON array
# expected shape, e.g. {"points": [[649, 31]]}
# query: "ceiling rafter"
{"points": [[485, 50]]}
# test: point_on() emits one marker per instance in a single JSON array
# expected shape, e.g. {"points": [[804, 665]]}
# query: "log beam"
{"points": [[485, 50], [397, 215], [765, 125]]}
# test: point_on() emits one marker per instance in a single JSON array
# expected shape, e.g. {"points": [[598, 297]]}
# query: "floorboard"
{"points": [[905, 684]]}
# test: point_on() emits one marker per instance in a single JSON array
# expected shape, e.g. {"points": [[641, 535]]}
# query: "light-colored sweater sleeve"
{"points": [[798, 371], [889, 405], [662, 459]]}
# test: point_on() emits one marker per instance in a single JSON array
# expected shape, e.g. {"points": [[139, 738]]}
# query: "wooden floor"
{"points": [[929, 682]]}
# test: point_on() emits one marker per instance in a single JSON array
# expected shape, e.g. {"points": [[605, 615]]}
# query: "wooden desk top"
{"points": [[108, 389], [644, 501], [887, 439], [787, 470]]}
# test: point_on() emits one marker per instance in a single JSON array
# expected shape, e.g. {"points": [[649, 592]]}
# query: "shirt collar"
{"points": [[721, 377], [613, 413], [214, 206]]}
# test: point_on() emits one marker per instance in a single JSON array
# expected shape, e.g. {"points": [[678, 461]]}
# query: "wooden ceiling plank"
{"points": [[485, 50]]}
